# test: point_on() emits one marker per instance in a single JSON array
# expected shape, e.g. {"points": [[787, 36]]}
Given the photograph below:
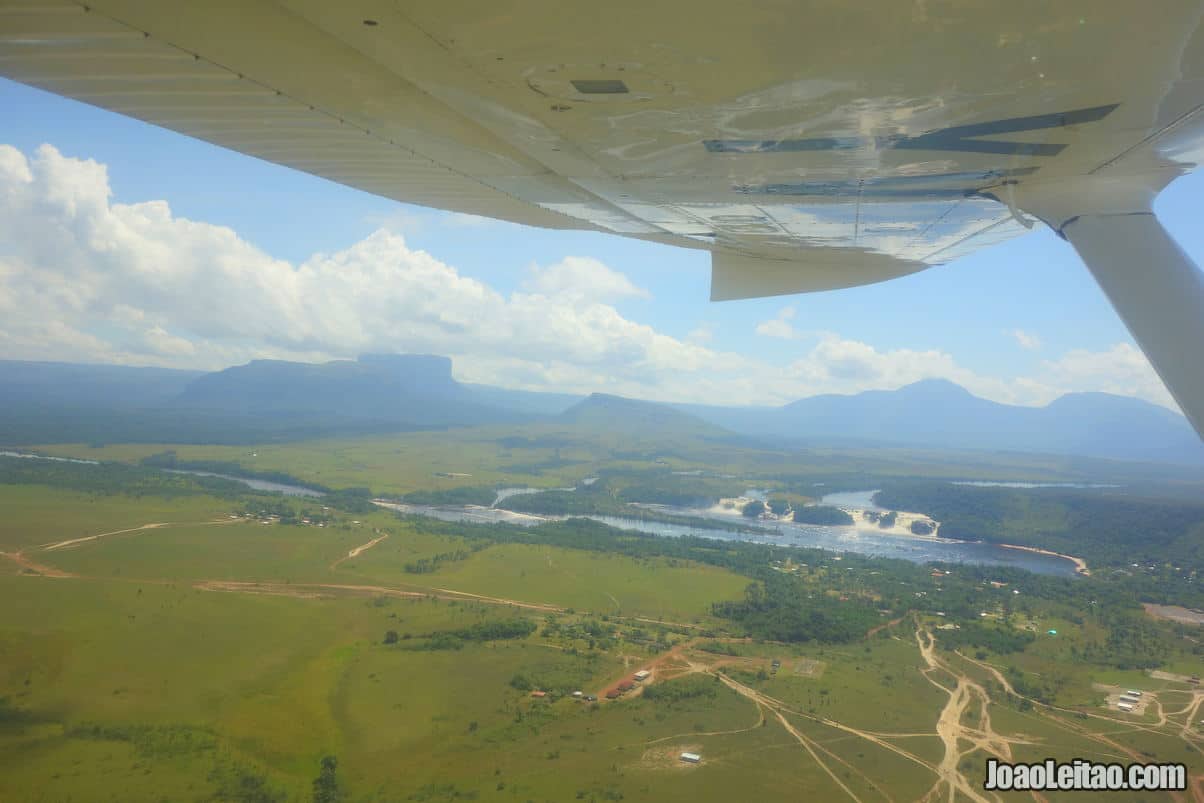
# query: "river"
{"points": [[834, 539], [259, 485], [785, 533]]}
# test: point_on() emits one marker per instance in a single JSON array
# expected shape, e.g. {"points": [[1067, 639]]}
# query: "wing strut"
{"points": [[1158, 292]]}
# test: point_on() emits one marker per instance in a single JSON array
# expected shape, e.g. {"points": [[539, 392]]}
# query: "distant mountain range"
{"points": [[277, 400], [940, 414]]}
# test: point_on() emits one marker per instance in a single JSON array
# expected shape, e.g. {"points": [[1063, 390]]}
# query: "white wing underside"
{"points": [[801, 160]]}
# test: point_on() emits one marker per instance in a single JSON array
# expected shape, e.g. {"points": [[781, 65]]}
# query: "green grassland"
{"points": [[36, 514], [138, 679], [611, 584], [153, 690]]}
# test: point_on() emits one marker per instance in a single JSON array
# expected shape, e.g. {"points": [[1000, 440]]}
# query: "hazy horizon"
{"points": [[587, 393]]}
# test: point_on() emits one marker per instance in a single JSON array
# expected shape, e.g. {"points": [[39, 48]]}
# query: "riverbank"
{"points": [[1080, 565]]}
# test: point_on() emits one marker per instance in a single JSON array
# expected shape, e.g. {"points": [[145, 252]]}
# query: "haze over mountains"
{"points": [[277, 400]]}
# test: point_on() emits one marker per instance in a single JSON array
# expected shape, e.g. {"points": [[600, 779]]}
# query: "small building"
{"points": [[641, 676], [538, 693], [692, 758], [1130, 700], [578, 694], [1133, 692], [613, 694], [626, 685], [1125, 706]]}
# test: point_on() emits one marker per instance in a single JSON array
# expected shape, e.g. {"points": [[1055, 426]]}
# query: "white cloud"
{"points": [[779, 326], [82, 278], [581, 278], [1121, 369], [1027, 340], [85, 279]]}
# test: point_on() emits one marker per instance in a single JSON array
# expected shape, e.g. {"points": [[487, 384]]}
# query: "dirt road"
{"points": [[954, 733], [73, 542], [77, 541], [320, 590], [359, 550], [34, 567]]}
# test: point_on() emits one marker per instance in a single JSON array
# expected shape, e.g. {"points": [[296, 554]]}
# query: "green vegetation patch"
{"points": [[822, 514]]}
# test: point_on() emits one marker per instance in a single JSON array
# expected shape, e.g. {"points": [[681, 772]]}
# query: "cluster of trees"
{"points": [[753, 509], [432, 564], [453, 496], [883, 520], [665, 488], [494, 630], [822, 514], [780, 608], [999, 640], [563, 503], [326, 786]]}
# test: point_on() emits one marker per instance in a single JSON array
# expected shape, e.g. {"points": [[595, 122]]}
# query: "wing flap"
{"points": [[735, 275]]}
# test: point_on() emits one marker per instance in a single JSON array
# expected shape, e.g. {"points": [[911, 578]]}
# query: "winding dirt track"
{"points": [[29, 565], [359, 550], [74, 542], [320, 590], [77, 541], [953, 732]]}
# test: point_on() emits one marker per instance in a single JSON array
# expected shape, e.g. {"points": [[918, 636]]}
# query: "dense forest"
{"points": [[821, 514], [780, 608], [466, 495], [1110, 528]]}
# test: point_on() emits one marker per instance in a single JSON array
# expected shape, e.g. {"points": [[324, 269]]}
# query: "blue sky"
{"points": [[959, 320]]}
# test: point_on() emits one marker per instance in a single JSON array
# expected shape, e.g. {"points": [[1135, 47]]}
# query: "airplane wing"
{"points": [[807, 145]]}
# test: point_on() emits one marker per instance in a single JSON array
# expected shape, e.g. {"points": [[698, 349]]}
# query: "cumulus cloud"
{"points": [[779, 326], [582, 278], [1121, 369], [1027, 340], [86, 279]]}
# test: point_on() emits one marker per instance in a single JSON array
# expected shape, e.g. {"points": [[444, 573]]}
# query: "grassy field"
{"points": [[611, 584], [35, 514], [160, 690], [137, 678]]}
